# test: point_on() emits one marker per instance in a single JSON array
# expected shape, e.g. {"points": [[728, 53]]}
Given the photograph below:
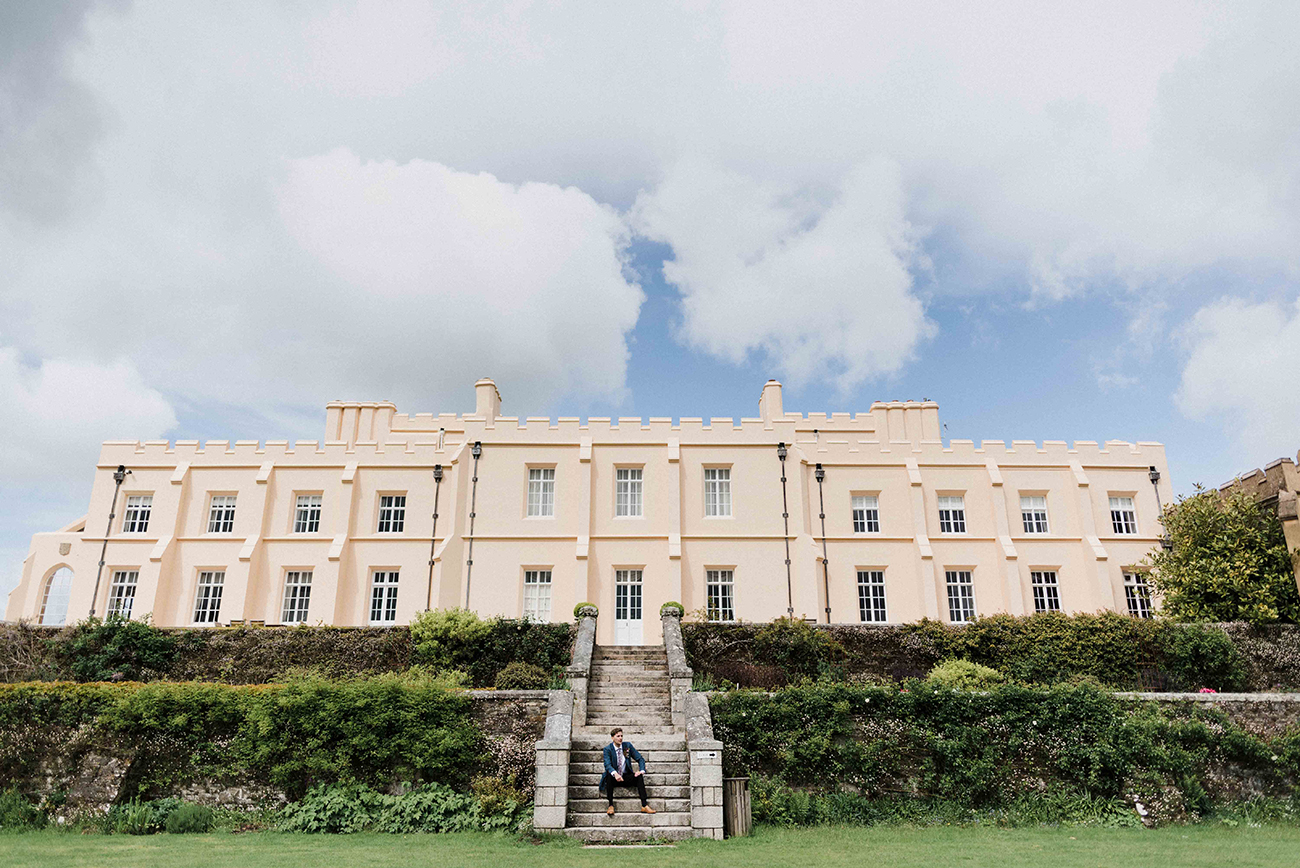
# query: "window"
{"points": [[961, 596], [297, 596], [121, 593], [1033, 512], [54, 605], [866, 514], [306, 514], [627, 492], [952, 514], [1137, 594], [719, 591], [871, 595], [221, 514], [717, 492], [207, 600], [537, 595], [627, 595], [1122, 517], [136, 517], [1047, 596], [392, 513], [541, 492], [383, 597]]}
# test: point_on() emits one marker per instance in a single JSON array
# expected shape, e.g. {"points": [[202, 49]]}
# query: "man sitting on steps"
{"points": [[619, 771]]}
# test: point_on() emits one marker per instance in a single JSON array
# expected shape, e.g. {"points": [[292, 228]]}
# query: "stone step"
{"points": [[593, 738], [657, 766], [592, 779], [627, 806], [666, 818], [624, 834], [627, 709], [657, 791], [629, 690], [665, 755], [637, 736], [642, 723]]}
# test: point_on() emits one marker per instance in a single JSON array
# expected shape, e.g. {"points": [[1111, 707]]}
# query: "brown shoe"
{"points": [[646, 809], [610, 810]]}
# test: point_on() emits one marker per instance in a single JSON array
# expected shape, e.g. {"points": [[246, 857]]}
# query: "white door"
{"points": [[627, 607]]}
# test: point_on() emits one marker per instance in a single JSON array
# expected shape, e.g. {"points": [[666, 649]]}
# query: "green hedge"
{"points": [[1116, 651], [988, 749], [293, 736]]}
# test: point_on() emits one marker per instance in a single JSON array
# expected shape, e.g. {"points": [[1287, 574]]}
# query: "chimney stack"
{"points": [[769, 404], [487, 400]]}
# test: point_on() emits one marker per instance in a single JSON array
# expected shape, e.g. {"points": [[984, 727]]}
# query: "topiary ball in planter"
{"points": [[522, 676], [189, 818], [672, 607], [584, 609]]}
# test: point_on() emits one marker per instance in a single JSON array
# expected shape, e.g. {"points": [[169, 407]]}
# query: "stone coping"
{"points": [[1209, 697], [487, 693]]}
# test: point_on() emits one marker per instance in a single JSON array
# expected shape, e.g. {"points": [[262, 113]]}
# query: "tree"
{"points": [[1229, 561]]}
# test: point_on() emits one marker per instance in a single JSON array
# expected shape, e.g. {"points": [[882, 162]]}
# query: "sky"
{"points": [[1058, 221]]}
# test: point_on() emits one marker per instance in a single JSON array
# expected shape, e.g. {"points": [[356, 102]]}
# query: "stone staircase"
{"points": [[629, 687]]}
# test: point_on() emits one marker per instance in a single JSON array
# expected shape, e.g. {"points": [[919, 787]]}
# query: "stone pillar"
{"points": [[706, 768], [680, 675], [580, 667], [551, 792]]}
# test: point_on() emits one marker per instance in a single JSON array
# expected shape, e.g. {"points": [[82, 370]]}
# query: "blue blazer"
{"points": [[611, 763]]}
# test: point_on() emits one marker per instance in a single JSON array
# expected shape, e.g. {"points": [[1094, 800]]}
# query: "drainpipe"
{"points": [[473, 500], [119, 476], [1154, 475], [785, 517], [433, 544], [826, 564]]}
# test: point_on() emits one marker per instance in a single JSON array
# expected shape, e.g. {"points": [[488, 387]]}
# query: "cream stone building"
{"points": [[534, 516]]}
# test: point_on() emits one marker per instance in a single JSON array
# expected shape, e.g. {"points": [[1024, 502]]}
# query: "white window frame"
{"points": [[717, 492], [121, 593], [135, 516], [1046, 590], [865, 511], [872, 605], [537, 594], [629, 491], [383, 597], [296, 602], [961, 595], [952, 513], [208, 591], [392, 513], [720, 594], [1123, 515], [541, 492], [221, 513], [1137, 595], [1033, 513], [306, 513], [44, 616]]}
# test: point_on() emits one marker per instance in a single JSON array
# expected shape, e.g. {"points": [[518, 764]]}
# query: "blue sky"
{"points": [[1059, 226]]}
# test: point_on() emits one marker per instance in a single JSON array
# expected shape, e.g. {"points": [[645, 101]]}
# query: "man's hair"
{"points": [[615, 731]]}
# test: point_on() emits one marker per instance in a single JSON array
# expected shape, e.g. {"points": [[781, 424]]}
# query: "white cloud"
{"points": [[54, 416], [1242, 372], [821, 290]]}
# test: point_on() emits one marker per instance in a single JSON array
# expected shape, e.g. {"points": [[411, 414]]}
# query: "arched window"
{"points": [[54, 605]]}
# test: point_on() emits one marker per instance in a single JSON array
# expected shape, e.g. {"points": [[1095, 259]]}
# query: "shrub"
{"points": [[521, 676], [442, 635], [577, 610], [965, 675], [794, 645], [17, 813], [671, 604], [1228, 562], [116, 649], [348, 808], [189, 818], [457, 638]]}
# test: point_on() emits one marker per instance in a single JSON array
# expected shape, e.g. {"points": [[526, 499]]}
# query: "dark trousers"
{"points": [[630, 779]]}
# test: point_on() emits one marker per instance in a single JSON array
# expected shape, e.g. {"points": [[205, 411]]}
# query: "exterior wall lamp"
{"points": [[820, 473], [119, 476], [782, 452], [1154, 475], [433, 543], [476, 450]]}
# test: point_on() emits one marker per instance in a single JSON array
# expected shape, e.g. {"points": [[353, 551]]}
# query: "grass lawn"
{"points": [[875, 847]]}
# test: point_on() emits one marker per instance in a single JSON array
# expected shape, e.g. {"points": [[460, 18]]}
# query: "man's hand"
{"points": [[617, 776], [639, 773]]}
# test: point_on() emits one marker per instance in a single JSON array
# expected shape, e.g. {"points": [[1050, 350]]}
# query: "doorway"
{"points": [[627, 607]]}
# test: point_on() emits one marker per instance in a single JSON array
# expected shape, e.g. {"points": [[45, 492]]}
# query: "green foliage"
{"points": [[292, 736], [345, 809], [137, 817], [965, 675], [794, 645], [116, 649], [190, 818], [459, 639], [578, 608], [17, 813], [1229, 562], [671, 604], [983, 750], [521, 676], [1047, 648]]}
